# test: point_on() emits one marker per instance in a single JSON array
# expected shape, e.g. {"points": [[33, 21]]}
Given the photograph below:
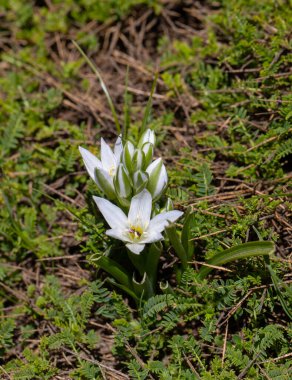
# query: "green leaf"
{"points": [[123, 288], [177, 245], [242, 251], [204, 179], [185, 235], [143, 288], [114, 269], [152, 260]]}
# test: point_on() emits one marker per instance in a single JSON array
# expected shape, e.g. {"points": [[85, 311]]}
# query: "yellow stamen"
{"points": [[135, 232], [112, 171]]}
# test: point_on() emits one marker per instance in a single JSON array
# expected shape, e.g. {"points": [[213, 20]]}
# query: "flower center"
{"points": [[135, 233], [112, 171]]}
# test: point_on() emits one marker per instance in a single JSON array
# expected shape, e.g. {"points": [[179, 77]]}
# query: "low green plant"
{"points": [[222, 120]]}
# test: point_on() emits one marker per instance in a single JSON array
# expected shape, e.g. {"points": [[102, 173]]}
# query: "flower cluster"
{"points": [[128, 176]]}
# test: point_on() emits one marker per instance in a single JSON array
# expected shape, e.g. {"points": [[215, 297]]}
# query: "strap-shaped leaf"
{"points": [[242, 251], [185, 234], [114, 269], [177, 245]]}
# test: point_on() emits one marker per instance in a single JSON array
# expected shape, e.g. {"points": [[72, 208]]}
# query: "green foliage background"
{"points": [[223, 120]]}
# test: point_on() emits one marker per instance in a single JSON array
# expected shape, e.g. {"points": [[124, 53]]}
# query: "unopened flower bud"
{"points": [[122, 182], [137, 159], [157, 178], [148, 136], [147, 149], [140, 180], [128, 154]]}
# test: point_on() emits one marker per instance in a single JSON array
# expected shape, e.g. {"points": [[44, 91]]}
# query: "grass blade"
{"points": [[276, 282], [148, 106], [127, 108], [103, 86]]}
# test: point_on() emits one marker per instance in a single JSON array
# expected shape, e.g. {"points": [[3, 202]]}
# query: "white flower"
{"points": [[136, 229], [106, 167]]}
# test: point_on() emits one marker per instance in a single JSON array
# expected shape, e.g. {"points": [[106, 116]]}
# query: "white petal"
{"points": [[138, 159], [151, 136], [107, 177], [108, 159], [116, 234], [152, 237], [114, 216], [162, 182], [153, 166], [140, 209], [118, 149], [160, 221], [90, 161], [148, 136], [146, 147], [135, 248], [131, 148], [105, 182]]}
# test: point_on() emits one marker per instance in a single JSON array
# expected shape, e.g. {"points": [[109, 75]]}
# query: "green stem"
{"points": [[137, 261], [146, 264]]}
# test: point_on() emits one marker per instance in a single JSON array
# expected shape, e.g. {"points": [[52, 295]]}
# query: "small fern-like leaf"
{"points": [[12, 133], [285, 149], [156, 304], [203, 180]]}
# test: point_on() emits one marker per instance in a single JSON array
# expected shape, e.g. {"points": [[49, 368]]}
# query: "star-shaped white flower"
{"points": [[108, 164], [136, 229]]}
